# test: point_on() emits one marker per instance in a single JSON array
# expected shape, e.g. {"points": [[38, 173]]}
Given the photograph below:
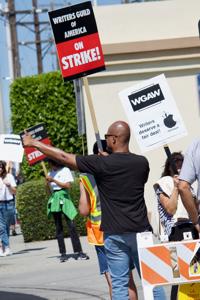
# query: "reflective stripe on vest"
{"points": [[94, 234], [89, 184]]}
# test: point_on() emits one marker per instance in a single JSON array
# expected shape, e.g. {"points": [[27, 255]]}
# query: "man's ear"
{"points": [[114, 140]]}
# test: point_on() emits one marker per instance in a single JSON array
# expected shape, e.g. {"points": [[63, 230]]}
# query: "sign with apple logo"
{"points": [[152, 113]]}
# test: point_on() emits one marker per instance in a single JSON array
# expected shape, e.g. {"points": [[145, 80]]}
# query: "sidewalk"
{"points": [[35, 272]]}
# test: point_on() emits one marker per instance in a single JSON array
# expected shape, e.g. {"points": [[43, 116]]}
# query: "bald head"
{"points": [[121, 131]]}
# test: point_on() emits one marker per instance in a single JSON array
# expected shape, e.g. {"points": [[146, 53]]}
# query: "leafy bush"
{"points": [[45, 99], [31, 201], [31, 198]]}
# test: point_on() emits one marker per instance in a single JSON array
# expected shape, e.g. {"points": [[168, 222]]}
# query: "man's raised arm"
{"points": [[64, 158]]}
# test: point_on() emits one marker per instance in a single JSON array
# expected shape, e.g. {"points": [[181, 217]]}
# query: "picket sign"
{"points": [[78, 47], [167, 263]]}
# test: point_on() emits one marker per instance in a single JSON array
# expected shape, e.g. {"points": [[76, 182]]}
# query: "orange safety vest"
{"points": [[94, 235]]}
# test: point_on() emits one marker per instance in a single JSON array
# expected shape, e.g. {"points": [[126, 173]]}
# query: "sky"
{"points": [[28, 53]]}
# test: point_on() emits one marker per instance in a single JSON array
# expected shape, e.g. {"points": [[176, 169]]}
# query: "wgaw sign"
{"points": [[152, 113]]}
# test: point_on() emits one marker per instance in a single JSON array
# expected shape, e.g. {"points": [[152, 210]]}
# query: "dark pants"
{"points": [[177, 235], [60, 234]]}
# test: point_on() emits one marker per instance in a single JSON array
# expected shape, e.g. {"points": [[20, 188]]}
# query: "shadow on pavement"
{"points": [[19, 296], [29, 250], [67, 256]]}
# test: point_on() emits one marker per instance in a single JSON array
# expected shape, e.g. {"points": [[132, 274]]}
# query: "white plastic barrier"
{"points": [[167, 263]]}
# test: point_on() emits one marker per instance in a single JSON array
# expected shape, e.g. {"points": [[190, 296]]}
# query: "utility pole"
{"points": [[37, 37], [2, 120], [11, 14], [13, 44]]}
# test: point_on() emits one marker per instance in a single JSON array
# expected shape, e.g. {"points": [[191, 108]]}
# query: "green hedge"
{"points": [[46, 99], [31, 198]]}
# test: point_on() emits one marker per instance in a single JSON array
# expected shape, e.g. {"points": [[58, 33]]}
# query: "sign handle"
{"points": [[92, 112], [169, 155], [44, 168], [9, 166], [46, 173]]}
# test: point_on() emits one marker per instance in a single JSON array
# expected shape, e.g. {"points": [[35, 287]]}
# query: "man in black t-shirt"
{"points": [[120, 178]]}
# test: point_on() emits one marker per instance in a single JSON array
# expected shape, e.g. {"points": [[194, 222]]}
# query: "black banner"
{"points": [[146, 97], [73, 22]]}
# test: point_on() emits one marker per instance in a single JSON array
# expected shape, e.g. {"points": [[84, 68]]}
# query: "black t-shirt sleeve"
{"points": [[89, 164]]}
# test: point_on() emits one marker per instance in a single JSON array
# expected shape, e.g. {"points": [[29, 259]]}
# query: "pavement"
{"points": [[34, 272]]}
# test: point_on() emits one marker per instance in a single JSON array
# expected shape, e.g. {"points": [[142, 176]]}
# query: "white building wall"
{"points": [[147, 21], [140, 41]]}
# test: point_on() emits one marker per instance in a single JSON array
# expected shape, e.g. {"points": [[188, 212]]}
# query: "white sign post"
{"points": [[152, 113], [11, 148]]}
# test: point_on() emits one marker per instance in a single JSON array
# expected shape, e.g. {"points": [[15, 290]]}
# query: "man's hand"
{"points": [[27, 139], [103, 153]]}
